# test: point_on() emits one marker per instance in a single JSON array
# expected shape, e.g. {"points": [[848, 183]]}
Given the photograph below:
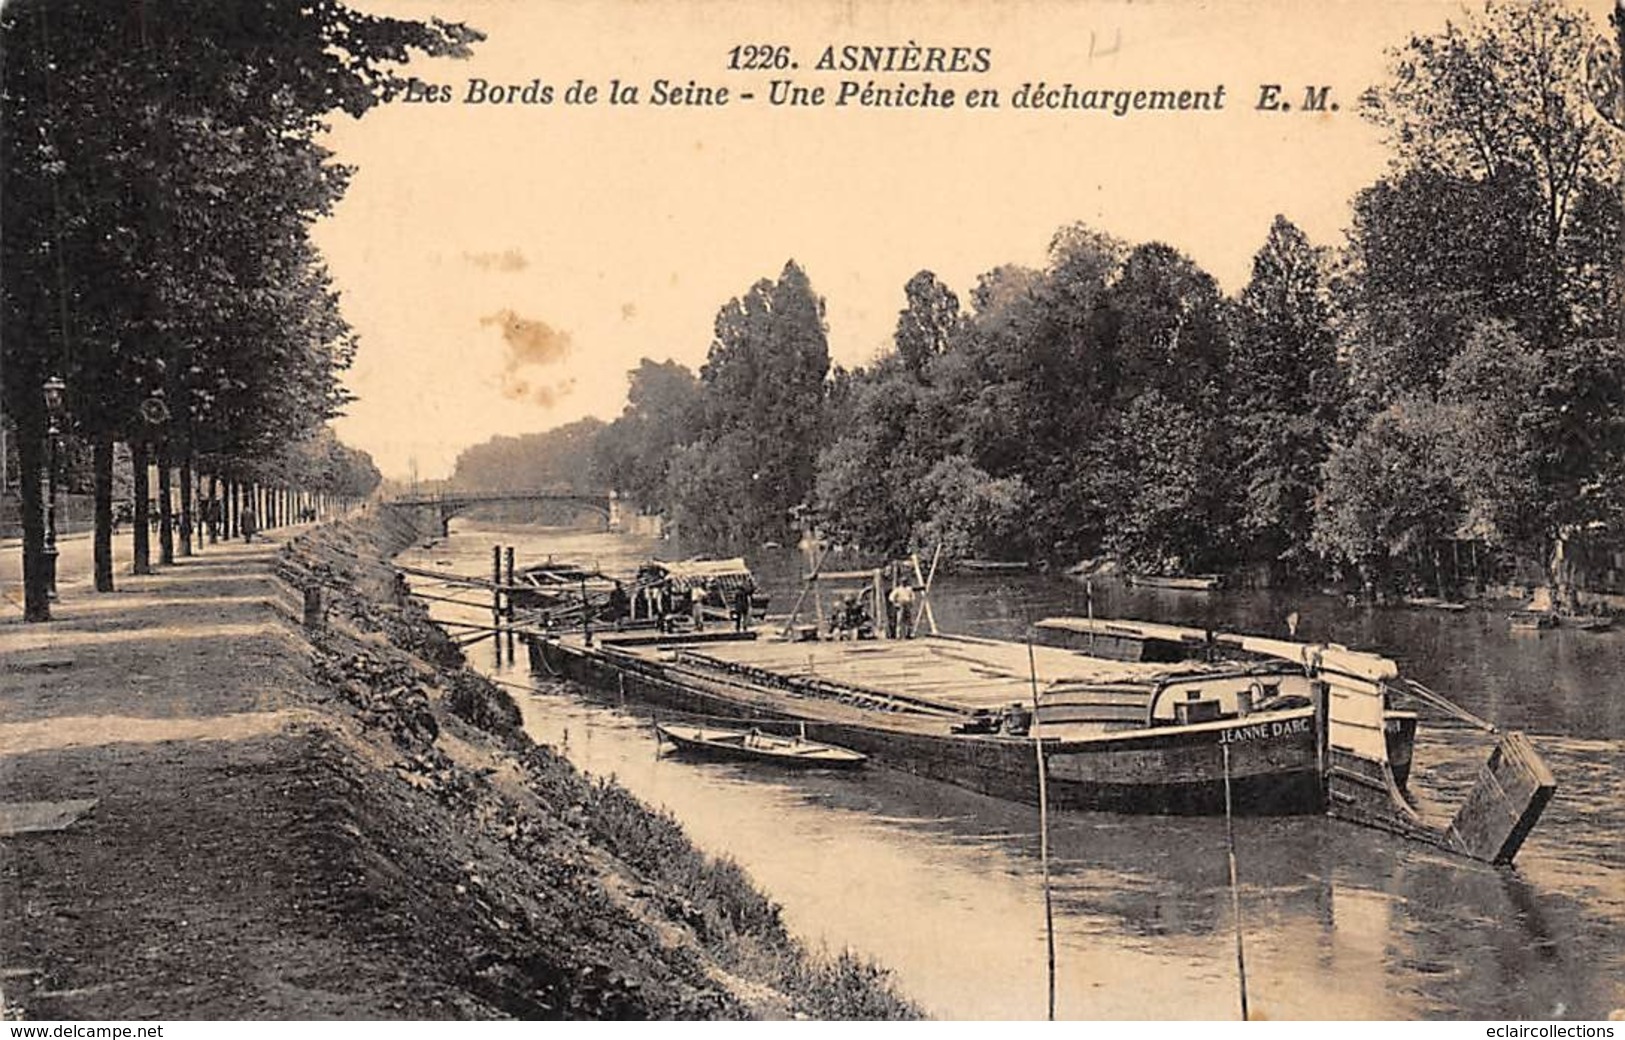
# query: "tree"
{"points": [[1031, 382], [662, 409], [967, 512], [563, 458], [1485, 280], [929, 322], [1168, 332], [1433, 255], [1389, 496], [1165, 486], [762, 413], [1504, 91], [1286, 389], [868, 482], [1159, 489], [1538, 435]]}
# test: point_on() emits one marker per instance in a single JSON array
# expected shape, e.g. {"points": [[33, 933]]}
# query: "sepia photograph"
{"points": [[887, 510]]}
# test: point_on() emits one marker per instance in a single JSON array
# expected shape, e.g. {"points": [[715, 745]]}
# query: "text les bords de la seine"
{"points": [[901, 78]]}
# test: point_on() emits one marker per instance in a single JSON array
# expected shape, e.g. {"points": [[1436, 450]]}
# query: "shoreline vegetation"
{"points": [[385, 842]]}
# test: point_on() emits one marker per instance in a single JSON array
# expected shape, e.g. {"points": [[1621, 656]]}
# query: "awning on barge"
{"points": [[683, 575]]}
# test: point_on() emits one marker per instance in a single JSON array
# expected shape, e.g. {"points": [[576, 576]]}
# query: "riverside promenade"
{"points": [[169, 722]]}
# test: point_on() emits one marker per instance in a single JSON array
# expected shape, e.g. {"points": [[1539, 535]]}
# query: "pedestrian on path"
{"points": [[249, 522]]}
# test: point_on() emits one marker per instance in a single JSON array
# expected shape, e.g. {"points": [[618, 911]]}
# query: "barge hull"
{"points": [[1274, 764]]}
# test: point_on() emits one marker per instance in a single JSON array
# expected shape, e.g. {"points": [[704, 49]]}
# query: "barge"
{"points": [[1121, 716]]}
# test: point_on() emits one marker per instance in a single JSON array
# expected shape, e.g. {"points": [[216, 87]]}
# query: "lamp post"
{"points": [[54, 388]]}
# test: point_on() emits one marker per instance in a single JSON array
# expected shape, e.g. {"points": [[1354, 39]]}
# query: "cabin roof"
{"points": [[686, 574]]}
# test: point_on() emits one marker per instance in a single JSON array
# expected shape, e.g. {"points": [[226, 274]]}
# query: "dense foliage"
{"points": [[1450, 376]]}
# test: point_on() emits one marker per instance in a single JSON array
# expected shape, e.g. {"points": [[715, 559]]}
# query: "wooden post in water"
{"points": [[880, 605], [496, 599], [1043, 822], [586, 615], [1235, 893], [508, 559], [1320, 697], [1089, 601]]}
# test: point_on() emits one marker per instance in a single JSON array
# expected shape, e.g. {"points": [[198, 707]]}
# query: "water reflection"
{"points": [[942, 885]]}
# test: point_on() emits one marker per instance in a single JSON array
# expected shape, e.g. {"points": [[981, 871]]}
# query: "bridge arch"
{"points": [[447, 504]]}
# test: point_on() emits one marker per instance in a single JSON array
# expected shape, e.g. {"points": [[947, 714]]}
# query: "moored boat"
{"points": [[1128, 731], [554, 584], [1129, 717], [991, 566], [1184, 583], [697, 589], [755, 745], [1532, 620], [1587, 622], [1434, 603]]}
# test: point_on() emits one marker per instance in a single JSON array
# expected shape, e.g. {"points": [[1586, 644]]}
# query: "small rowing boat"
{"points": [[759, 746], [1587, 622], [991, 566], [1434, 603], [1532, 620], [1183, 583]]}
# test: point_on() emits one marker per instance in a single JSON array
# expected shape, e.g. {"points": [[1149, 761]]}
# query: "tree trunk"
{"points": [[215, 509], [188, 514], [166, 512], [102, 466], [141, 543], [31, 460]]}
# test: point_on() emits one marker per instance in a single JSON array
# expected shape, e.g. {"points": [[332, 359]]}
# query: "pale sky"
{"points": [[506, 266]]}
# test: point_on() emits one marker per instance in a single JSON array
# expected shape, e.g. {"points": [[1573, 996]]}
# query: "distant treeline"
{"points": [[1452, 372]]}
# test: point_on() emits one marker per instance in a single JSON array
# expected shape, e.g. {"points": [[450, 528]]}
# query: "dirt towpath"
{"points": [[194, 886], [208, 813]]}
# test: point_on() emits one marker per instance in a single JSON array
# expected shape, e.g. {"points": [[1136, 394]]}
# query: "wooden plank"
{"points": [[1512, 790]]}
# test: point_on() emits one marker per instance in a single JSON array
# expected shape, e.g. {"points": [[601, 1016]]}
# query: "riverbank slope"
{"points": [[344, 823]]}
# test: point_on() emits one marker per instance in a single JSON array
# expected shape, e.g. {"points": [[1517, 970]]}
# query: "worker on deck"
{"points": [[902, 608], [742, 604], [697, 596], [855, 621], [664, 604]]}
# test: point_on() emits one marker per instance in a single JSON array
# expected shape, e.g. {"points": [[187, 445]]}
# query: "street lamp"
{"points": [[54, 389]]}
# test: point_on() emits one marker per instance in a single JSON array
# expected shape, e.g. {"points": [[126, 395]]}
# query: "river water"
{"points": [[943, 886]]}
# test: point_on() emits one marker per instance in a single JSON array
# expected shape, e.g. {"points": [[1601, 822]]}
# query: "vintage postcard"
{"points": [[706, 509]]}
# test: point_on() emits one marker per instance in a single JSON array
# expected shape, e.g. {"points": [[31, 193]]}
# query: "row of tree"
{"points": [[162, 172], [1452, 374]]}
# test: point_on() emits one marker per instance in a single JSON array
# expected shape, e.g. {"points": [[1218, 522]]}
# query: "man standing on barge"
{"points": [[902, 605]]}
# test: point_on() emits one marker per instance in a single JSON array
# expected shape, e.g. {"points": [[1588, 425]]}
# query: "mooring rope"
{"points": [[1448, 706]]}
